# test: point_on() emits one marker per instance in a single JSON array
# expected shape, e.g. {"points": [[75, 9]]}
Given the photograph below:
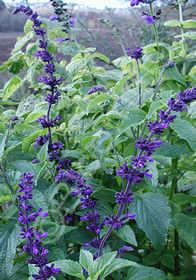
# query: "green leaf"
{"points": [[86, 259], [189, 24], [172, 151], [94, 165], [2, 144], [134, 118], [146, 273], [153, 217], [154, 107], [172, 23], [9, 236], [190, 35], [30, 139], [109, 116], [105, 194], [70, 267], [101, 57], [186, 227], [172, 73], [182, 198], [72, 154], [23, 166], [98, 99], [39, 201], [185, 130], [127, 234], [11, 86], [22, 40], [100, 264], [119, 85], [117, 264]]}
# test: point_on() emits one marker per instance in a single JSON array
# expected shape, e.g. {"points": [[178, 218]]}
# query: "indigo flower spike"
{"points": [[33, 244], [150, 19], [95, 89]]}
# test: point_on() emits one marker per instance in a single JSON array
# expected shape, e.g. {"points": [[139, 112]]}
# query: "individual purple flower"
{"points": [[61, 40], [135, 54], [33, 245], [169, 63], [72, 22], [53, 154], [49, 68], [123, 250], [140, 161], [134, 3], [52, 18], [57, 145], [150, 19]]}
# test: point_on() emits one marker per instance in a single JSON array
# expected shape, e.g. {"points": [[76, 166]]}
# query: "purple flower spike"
{"points": [[150, 19], [95, 89], [33, 246]]}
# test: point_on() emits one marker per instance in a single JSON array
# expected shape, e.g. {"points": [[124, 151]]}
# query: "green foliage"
{"points": [[99, 132]]}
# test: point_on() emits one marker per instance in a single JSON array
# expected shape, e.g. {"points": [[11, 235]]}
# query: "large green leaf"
{"points": [[146, 273], [172, 151], [185, 130], [186, 227], [2, 144], [153, 217], [172, 73], [70, 267], [9, 236]]}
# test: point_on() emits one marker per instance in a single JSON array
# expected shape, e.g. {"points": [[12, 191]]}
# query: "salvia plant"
{"points": [[97, 163]]}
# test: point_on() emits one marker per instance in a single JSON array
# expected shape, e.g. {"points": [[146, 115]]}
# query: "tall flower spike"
{"points": [[33, 245]]}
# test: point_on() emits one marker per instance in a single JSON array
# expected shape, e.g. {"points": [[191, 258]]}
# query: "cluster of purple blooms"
{"points": [[149, 18], [33, 246], [54, 149]]}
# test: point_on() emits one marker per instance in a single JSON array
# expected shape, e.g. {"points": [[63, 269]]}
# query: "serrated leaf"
{"points": [[11, 86], [186, 227], [127, 234], [185, 130], [146, 273], [100, 264], [119, 85], [9, 237], [70, 267], [86, 259], [152, 215]]}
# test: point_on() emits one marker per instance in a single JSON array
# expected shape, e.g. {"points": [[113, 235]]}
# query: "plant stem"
{"points": [[176, 245], [154, 26], [140, 95], [174, 186], [174, 189], [66, 133], [182, 32]]}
